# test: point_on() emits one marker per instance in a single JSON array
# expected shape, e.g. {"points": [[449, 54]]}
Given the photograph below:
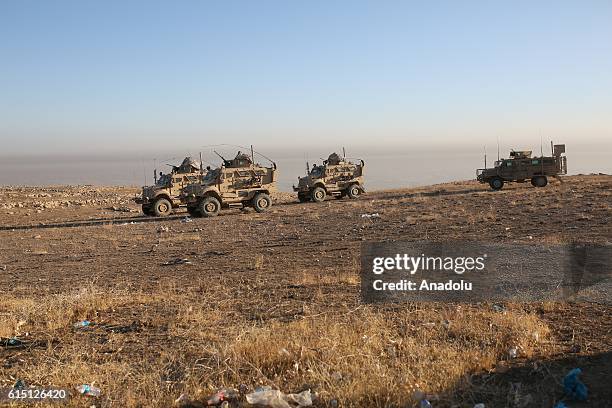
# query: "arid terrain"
{"points": [[187, 306]]}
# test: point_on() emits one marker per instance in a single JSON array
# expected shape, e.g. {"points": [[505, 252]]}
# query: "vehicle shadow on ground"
{"points": [[538, 383]]}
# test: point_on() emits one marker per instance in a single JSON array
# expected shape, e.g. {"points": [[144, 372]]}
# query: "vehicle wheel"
{"points": [[539, 181], [194, 212], [318, 194], [496, 183], [209, 207], [303, 197], [262, 202], [146, 210], [162, 208], [353, 191]]}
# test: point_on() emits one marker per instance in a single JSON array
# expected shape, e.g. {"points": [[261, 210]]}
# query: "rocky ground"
{"points": [[185, 306]]}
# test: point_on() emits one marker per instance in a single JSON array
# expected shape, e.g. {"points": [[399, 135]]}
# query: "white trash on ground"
{"points": [[268, 397]]}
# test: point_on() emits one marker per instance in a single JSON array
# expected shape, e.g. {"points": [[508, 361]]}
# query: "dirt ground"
{"points": [[185, 306]]}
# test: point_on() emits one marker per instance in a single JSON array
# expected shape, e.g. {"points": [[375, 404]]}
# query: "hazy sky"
{"points": [[101, 76]]}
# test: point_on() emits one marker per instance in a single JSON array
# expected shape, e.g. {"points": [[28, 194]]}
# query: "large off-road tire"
{"points": [[146, 210], [303, 197], [496, 183], [194, 212], [318, 194], [262, 202], [209, 206], [539, 181], [162, 207], [353, 191]]}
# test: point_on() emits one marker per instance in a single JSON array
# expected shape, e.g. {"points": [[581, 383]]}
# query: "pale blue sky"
{"points": [[85, 76]]}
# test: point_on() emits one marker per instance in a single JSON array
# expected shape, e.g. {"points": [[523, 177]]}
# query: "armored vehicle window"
{"points": [[244, 173], [508, 164], [535, 162]]}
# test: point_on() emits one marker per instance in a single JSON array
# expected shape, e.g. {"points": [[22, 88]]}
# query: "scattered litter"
{"points": [[177, 261], [2, 267], [187, 219], [19, 384], [425, 404], [446, 324], [333, 403], [574, 388], [479, 405], [82, 323], [373, 215], [513, 352], [11, 342], [89, 390], [530, 236], [37, 236], [429, 325], [499, 308], [163, 229], [507, 228], [121, 209], [222, 395], [560, 404], [268, 397]]}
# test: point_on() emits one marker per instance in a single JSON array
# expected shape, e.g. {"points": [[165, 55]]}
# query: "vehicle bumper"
{"points": [[301, 189]]}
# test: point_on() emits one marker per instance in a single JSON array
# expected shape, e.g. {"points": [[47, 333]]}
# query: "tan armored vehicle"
{"points": [[521, 167], [160, 199], [336, 177], [237, 183]]}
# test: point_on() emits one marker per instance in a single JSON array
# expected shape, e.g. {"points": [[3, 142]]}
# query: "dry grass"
{"points": [[361, 357]]}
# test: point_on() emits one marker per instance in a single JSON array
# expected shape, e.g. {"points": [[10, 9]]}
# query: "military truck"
{"points": [[161, 198], [521, 167], [335, 177], [238, 183]]}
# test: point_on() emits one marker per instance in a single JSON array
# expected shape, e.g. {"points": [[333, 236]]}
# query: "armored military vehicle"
{"points": [[521, 167], [162, 197], [237, 183], [335, 177]]}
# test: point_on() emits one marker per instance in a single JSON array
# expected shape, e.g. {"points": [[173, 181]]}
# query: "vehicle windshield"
{"points": [[164, 180], [316, 171], [211, 175]]}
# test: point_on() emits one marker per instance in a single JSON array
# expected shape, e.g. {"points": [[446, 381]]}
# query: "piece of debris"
{"points": [[268, 397], [177, 261], [2, 267], [121, 209], [90, 390], [37, 237], [513, 352], [574, 388], [163, 229], [425, 404], [479, 405], [221, 396], [186, 219], [560, 404], [11, 342], [19, 384], [82, 323], [498, 308], [373, 215]]}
